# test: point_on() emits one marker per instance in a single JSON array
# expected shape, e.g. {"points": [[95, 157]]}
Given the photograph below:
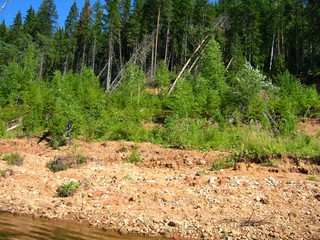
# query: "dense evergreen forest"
{"points": [[106, 73]]}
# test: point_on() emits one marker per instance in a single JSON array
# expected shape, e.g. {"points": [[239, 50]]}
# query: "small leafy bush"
{"points": [[57, 166], [63, 163], [134, 157], [14, 159], [67, 189], [224, 163]]}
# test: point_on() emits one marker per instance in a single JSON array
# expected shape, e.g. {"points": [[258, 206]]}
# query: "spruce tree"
{"points": [[70, 29], [97, 32], [72, 20], [83, 33], [114, 36], [30, 23], [47, 17], [16, 27]]}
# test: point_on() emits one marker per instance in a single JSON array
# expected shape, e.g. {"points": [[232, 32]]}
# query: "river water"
{"points": [[14, 227]]}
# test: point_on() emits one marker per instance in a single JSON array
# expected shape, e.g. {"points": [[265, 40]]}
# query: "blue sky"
{"points": [[13, 6]]}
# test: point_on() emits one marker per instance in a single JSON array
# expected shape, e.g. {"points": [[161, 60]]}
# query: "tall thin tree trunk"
{"points": [[167, 45], [94, 53], [83, 56], [157, 37], [184, 48], [278, 41], [297, 42], [65, 69], [108, 80], [272, 52], [120, 51], [41, 65], [152, 55], [73, 57]]}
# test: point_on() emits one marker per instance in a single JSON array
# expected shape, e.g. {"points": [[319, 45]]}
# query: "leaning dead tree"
{"points": [[3, 5], [189, 64], [139, 56], [197, 54]]}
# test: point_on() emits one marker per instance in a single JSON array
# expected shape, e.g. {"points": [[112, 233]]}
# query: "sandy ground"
{"points": [[171, 193]]}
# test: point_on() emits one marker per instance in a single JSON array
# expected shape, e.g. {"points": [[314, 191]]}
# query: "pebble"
{"points": [[212, 180]]}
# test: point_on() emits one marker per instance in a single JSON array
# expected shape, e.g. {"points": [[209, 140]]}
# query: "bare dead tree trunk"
{"points": [[108, 80], [156, 46], [152, 55], [272, 52], [167, 45], [73, 57], [41, 65], [65, 68], [278, 41], [3, 5], [83, 57], [94, 53], [120, 51]]}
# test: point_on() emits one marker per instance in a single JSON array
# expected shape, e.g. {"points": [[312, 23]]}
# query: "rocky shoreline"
{"points": [[170, 193]]}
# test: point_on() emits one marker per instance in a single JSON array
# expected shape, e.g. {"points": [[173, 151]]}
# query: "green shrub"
{"points": [[57, 166], [224, 163], [247, 87], [63, 163], [14, 159], [185, 132], [134, 157], [67, 189]]}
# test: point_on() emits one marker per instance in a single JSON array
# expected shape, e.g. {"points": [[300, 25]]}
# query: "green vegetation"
{"points": [[128, 177], [13, 159], [61, 81], [314, 178], [62, 163], [134, 157], [67, 189], [224, 163]]}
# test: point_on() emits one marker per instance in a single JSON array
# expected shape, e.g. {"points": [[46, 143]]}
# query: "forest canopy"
{"points": [[107, 72]]}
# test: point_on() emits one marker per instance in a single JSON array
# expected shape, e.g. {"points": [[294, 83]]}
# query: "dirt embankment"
{"points": [[170, 193]]}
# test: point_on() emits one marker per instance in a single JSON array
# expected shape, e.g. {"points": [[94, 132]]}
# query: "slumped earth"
{"points": [[170, 193]]}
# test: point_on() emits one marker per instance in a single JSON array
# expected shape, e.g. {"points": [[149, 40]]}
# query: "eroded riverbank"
{"points": [[171, 193]]}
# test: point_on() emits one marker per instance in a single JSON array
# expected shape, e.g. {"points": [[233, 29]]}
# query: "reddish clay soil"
{"points": [[170, 193]]}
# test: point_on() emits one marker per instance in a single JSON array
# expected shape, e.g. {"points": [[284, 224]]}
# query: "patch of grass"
{"points": [[202, 172], [134, 157], [13, 159], [67, 189], [224, 163], [63, 163], [57, 166], [80, 160], [313, 178], [127, 177], [134, 147]]}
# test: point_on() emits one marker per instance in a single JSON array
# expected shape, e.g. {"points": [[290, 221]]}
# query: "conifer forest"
{"points": [[232, 75]]}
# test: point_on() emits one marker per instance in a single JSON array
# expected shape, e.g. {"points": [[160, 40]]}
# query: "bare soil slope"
{"points": [[169, 193]]}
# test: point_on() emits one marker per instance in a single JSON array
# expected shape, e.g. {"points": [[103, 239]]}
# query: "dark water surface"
{"points": [[14, 227]]}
